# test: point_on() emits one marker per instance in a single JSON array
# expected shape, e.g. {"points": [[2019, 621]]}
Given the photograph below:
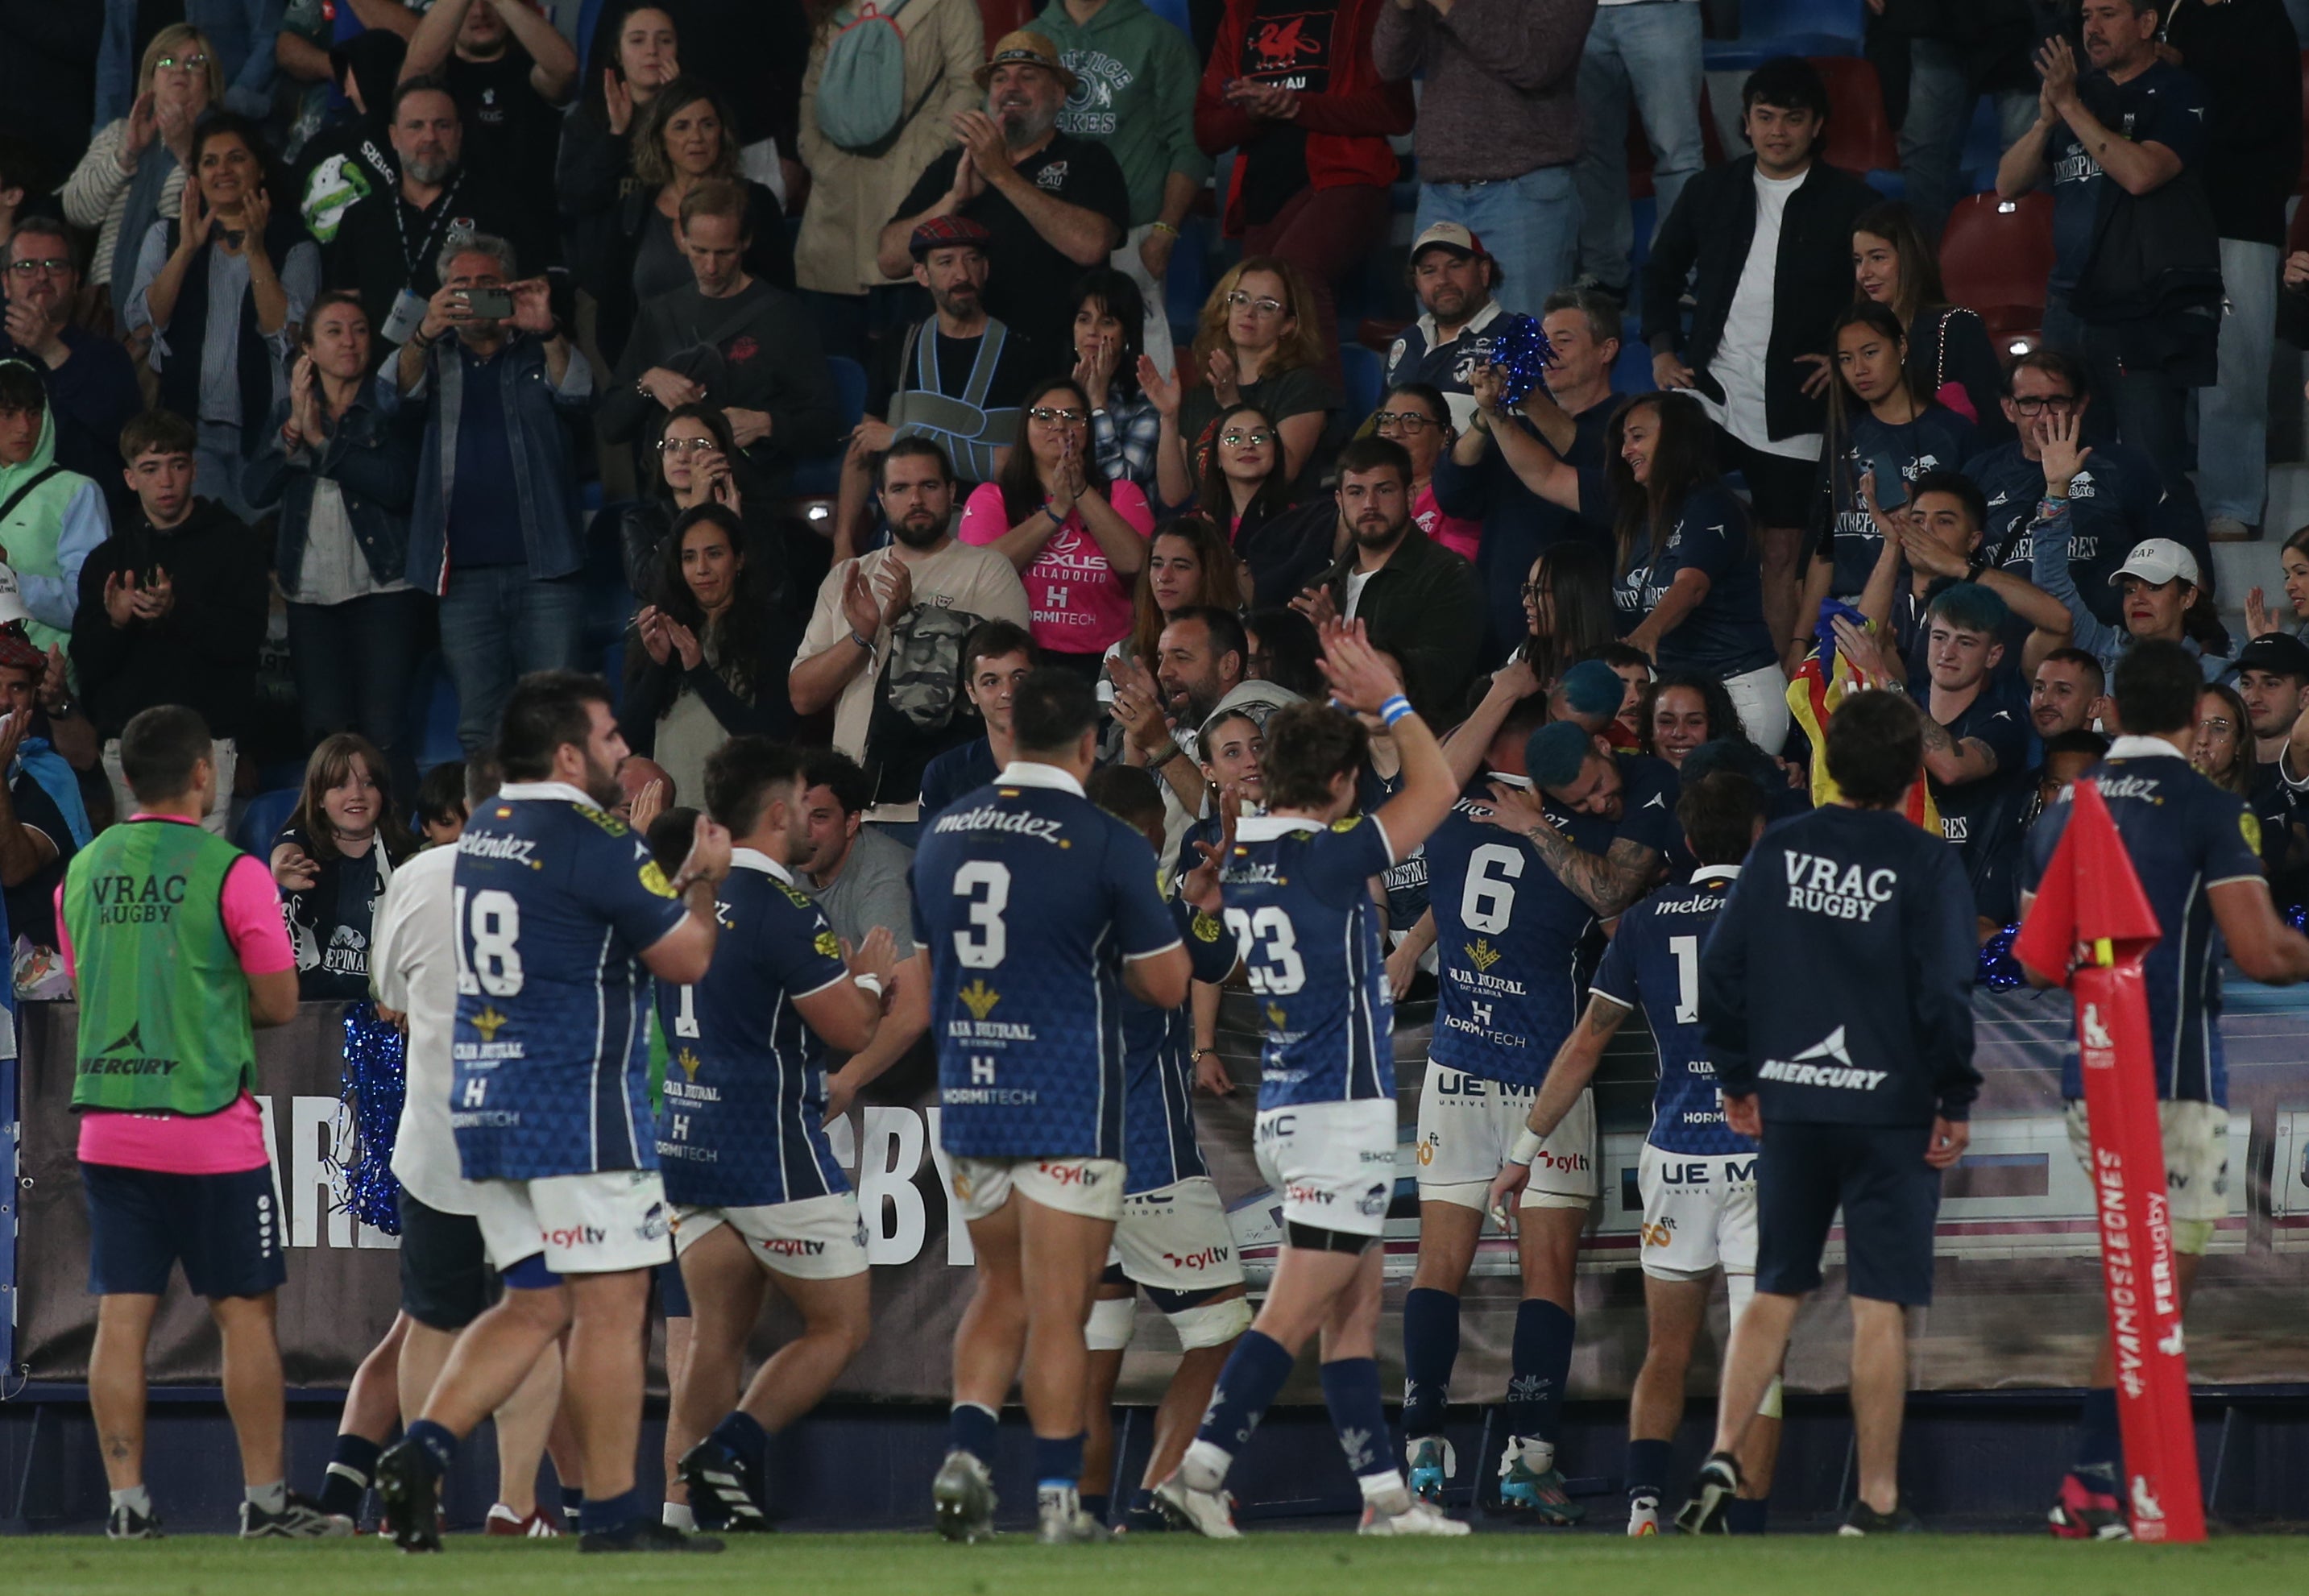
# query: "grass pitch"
{"points": [[1270, 1563]]}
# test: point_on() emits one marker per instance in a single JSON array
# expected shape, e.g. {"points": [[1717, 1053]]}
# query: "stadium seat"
{"points": [[262, 818], [1997, 256], [1173, 12], [1769, 28], [821, 476], [1859, 134], [1366, 377], [438, 745], [1005, 16]]}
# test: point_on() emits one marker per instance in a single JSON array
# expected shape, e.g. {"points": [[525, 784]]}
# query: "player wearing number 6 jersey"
{"points": [[1296, 886], [757, 1194], [561, 915], [1040, 911], [1697, 1175], [1508, 934]]}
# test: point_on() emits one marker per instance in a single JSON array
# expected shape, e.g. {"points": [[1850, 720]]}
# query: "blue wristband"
{"points": [[1395, 709]]}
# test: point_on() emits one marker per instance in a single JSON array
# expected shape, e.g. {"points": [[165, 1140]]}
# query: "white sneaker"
{"points": [[1399, 1513], [1206, 1512], [1059, 1518], [1643, 1516]]}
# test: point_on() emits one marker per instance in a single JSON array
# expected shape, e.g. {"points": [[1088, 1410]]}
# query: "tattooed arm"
{"points": [[1574, 1067], [1606, 883], [1950, 762]]}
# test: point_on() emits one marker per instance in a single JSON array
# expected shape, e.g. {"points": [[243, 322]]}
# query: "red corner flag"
{"points": [[2090, 911]]}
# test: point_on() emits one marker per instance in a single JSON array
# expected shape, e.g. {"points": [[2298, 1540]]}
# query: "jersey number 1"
{"points": [[1686, 950]]}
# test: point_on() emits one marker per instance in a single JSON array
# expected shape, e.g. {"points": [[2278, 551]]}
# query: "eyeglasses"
{"points": [[1065, 417], [1410, 421], [192, 62], [1246, 440], [2050, 401], [687, 445], [2219, 727], [55, 265], [1237, 299]]}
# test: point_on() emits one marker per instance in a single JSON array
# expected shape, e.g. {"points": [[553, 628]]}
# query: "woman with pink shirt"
{"points": [[1076, 541], [1416, 416]]}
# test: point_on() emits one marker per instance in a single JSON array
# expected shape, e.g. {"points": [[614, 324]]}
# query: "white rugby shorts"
{"points": [[814, 1239], [1332, 1164], [1468, 1126], [1700, 1213], [1175, 1238], [2196, 1156], [599, 1224], [1090, 1186]]}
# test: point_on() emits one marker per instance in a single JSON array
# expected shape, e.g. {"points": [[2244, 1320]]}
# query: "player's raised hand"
{"points": [[1512, 809], [648, 804], [1360, 679], [1200, 887], [709, 855], [876, 956]]}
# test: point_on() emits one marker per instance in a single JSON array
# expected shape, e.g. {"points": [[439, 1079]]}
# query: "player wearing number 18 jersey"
{"points": [[561, 914], [757, 1194], [1039, 911], [1296, 889], [1508, 940]]}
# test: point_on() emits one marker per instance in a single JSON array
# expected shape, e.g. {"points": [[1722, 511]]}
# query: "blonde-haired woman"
{"points": [[1258, 343], [134, 172], [854, 192]]}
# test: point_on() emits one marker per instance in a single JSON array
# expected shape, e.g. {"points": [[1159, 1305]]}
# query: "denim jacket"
{"points": [[544, 461], [372, 460]]}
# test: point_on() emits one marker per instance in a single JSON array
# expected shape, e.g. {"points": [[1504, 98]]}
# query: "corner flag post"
{"points": [[2089, 928]]}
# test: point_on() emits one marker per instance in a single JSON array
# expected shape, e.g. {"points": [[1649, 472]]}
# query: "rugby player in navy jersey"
{"points": [[1835, 1004], [756, 1192], [1696, 1174], [1297, 889], [1040, 913], [1172, 1239], [2196, 849], [1507, 934], [561, 919]]}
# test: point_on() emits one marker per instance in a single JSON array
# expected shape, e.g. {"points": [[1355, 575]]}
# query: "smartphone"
{"points": [[1892, 487], [490, 305]]}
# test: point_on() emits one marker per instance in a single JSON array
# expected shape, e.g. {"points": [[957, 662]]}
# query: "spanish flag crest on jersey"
{"points": [[1824, 680]]}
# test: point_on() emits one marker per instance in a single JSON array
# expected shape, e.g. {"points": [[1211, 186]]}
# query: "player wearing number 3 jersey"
{"points": [[561, 916], [1296, 891], [1039, 911]]}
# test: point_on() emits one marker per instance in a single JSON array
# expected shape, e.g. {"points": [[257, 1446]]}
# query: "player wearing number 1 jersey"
{"points": [[756, 1192], [560, 915], [1040, 911], [1296, 888], [1696, 1175], [1508, 935]]}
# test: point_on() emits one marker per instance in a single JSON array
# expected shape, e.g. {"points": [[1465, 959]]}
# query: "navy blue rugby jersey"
{"points": [[555, 901], [1298, 902], [742, 1121], [1654, 961], [1029, 898], [2185, 836], [1508, 939], [1837, 983], [1159, 1082]]}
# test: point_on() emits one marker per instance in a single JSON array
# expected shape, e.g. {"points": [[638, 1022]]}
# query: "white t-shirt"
{"points": [[1739, 360], [413, 967], [961, 576], [1356, 582]]}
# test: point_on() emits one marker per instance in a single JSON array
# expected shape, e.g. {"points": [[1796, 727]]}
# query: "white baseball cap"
{"points": [[2159, 560], [11, 598]]}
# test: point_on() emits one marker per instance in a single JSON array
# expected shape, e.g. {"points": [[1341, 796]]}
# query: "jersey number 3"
{"points": [[980, 945], [494, 922]]}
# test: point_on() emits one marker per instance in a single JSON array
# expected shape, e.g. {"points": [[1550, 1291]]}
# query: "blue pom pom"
{"points": [[376, 1082], [1999, 970], [2297, 917], [1522, 350]]}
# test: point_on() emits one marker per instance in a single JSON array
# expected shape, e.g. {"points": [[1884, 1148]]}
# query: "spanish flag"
{"points": [[1823, 681]]}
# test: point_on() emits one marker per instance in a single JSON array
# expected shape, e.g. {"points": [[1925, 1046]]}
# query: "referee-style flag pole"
{"points": [[2088, 929]]}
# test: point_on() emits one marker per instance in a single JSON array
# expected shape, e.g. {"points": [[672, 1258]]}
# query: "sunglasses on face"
{"points": [[1410, 421], [1252, 439], [686, 445], [1237, 299], [1065, 417]]}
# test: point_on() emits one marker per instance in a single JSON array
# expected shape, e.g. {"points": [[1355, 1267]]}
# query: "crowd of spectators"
{"points": [[814, 390]]}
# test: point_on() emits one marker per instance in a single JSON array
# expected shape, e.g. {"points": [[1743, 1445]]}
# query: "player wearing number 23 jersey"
{"points": [[1030, 898], [554, 900]]}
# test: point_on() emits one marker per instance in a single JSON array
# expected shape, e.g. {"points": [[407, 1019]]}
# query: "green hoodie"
{"points": [[1137, 96], [48, 535]]}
